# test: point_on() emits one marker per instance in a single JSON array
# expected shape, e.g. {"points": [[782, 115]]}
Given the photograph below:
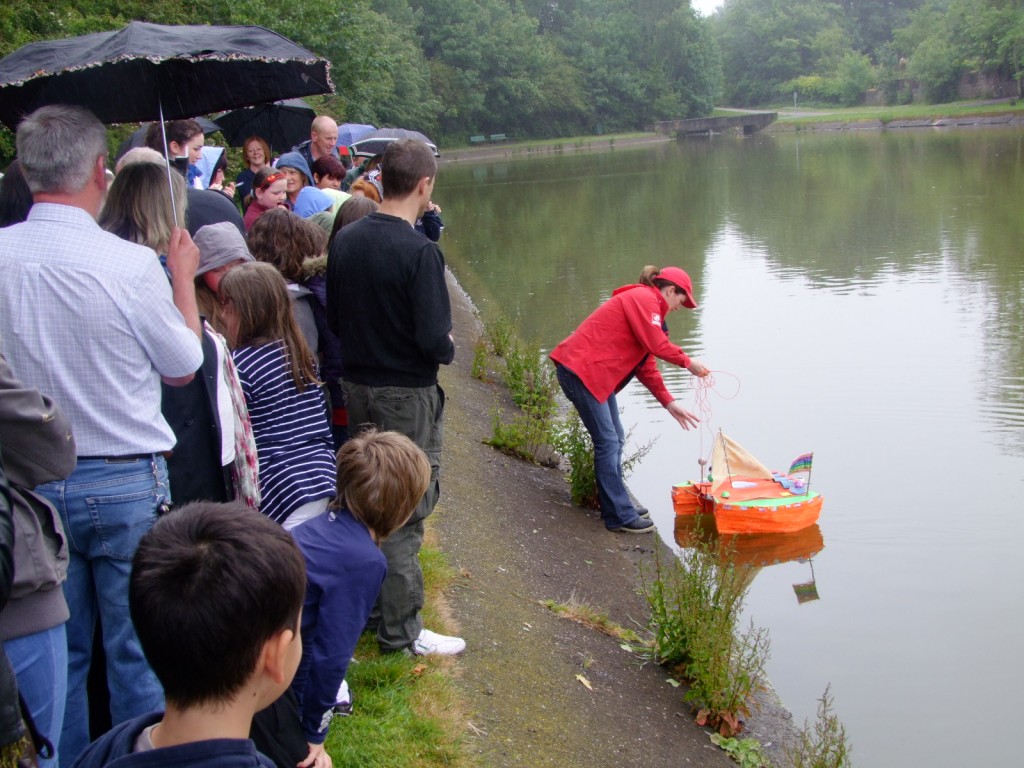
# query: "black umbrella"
{"points": [[375, 143], [138, 139], [155, 72], [283, 124]]}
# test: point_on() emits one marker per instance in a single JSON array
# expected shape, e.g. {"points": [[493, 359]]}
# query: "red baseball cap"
{"points": [[681, 280]]}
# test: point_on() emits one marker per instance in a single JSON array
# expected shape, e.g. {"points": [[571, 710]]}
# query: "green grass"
{"points": [[900, 112], [406, 713], [588, 616]]}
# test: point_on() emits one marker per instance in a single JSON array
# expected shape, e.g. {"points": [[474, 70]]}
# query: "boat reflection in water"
{"points": [[754, 551]]}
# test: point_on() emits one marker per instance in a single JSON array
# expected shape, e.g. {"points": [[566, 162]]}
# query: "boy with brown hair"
{"points": [[215, 596], [381, 477]]}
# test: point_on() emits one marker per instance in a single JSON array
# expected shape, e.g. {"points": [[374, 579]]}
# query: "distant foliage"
{"points": [[454, 68]]}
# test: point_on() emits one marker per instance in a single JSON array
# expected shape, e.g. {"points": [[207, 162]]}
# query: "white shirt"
{"points": [[89, 319]]}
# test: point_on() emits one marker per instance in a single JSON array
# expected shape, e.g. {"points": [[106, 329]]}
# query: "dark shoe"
{"points": [[640, 508], [640, 525]]}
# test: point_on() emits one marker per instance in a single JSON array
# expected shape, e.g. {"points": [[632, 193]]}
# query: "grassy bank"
{"points": [[406, 712], [802, 115]]}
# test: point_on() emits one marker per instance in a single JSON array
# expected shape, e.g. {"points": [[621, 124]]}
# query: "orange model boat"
{"points": [[745, 497]]}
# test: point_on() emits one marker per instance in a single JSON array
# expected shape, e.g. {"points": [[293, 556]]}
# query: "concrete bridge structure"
{"points": [[750, 123]]}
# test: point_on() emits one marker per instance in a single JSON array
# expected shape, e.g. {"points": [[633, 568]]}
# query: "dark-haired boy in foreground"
{"points": [[215, 595], [381, 477]]}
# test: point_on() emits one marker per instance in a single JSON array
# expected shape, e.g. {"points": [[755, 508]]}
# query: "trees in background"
{"points": [[529, 68], [832, 51], [545, 68]]}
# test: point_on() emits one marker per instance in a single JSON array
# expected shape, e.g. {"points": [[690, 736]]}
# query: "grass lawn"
{"points": [[406, 711], [830, 114]]}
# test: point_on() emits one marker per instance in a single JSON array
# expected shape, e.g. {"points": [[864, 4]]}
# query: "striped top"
{"points": [[293, 437]]}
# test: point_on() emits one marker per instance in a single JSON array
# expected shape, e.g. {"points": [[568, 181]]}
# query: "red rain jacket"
{"points": [[620, 339]]}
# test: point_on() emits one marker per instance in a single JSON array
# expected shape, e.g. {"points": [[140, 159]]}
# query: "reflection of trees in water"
{"points": [[547, 238], [565, 231], [846, 209]]}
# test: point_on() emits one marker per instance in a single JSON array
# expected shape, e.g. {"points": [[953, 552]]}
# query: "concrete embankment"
{"points": [[541, 690]]}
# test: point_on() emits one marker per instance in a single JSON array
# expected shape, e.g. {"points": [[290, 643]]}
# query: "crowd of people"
{"points": [[221, 432], [212, 415]]}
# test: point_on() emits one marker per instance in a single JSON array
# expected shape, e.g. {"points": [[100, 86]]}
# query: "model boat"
{"points": [[744, 496]]}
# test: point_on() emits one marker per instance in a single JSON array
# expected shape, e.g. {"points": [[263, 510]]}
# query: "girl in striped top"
{"points": [[286, 402]]}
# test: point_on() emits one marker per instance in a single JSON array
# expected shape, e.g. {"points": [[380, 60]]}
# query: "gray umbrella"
{"points": [[375, 143]]}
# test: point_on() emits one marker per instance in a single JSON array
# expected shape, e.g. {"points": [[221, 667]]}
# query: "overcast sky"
{"points": [[706, 7]]}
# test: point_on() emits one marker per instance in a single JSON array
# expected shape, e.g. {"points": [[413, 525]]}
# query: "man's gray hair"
{"points": [[58, 146]]}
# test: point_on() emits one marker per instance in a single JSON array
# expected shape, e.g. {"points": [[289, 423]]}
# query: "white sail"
{"points": [[730, 459]]}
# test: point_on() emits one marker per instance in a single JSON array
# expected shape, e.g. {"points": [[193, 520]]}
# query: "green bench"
{"points": [[477, 139], [498, 137]]}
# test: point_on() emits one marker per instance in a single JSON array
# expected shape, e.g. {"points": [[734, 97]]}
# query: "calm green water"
{"points": [[860, 297]]}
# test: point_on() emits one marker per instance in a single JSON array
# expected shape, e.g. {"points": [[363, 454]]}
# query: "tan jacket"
{"points": [[37, 447]]}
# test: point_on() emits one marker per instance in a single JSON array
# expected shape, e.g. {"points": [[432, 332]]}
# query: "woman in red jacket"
{"points": [[620, 340]]}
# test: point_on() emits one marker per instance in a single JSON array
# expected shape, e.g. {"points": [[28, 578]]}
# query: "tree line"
{"points": [[545, 68], [834, 51]]}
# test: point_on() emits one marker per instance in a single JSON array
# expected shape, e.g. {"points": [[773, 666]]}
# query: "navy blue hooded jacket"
{"points": [[116, 748]]}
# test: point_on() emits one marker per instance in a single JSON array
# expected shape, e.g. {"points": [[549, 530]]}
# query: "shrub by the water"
{"points": [[696, 601], [824, 744]]}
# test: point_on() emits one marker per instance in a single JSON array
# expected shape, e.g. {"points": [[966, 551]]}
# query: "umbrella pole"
{"points": [[167, 160]]}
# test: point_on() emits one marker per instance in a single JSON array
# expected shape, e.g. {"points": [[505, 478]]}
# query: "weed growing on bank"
{"points": [[573, 442], [500, 333], [571, 439], [696, 601], [525, 436], [746, 752], [531, 383], [823, 744], [479, 370]]}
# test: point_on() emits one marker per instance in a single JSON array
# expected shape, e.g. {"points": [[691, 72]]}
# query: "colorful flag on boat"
{"points": [[801, 463], [806, 592]]}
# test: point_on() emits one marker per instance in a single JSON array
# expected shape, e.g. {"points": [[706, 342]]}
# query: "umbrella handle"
{"points": [[167, 162]]}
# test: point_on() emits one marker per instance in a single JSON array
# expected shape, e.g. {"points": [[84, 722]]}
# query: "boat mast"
{"points": [[725, 455]]}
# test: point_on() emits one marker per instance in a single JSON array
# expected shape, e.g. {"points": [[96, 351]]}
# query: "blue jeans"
{"points": [[605, 428], [40, 662], [106, 507]]}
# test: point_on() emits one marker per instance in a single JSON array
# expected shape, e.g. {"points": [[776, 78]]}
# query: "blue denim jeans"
{"points": [[605, 428], [106, 507], [40, 662]]}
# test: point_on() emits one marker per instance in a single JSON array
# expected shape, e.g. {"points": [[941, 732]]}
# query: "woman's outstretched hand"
{"points": [[697, 369], [684, 417]]}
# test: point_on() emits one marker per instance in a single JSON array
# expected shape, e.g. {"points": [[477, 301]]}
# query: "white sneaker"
{"points": [[440, 645], [343, 702]]}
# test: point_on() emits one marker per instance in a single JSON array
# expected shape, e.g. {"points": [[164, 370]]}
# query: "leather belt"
{"points": [[128, 458]]}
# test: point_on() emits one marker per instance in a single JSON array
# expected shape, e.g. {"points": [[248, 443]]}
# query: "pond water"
{"points": [[860, 297]]}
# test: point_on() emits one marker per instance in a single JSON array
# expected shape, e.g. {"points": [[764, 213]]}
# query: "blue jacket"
{"points": [[117, 748], [344, 571]]}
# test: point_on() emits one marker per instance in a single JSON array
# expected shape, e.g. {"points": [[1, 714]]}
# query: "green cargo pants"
{"points": [[418, 413]]}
